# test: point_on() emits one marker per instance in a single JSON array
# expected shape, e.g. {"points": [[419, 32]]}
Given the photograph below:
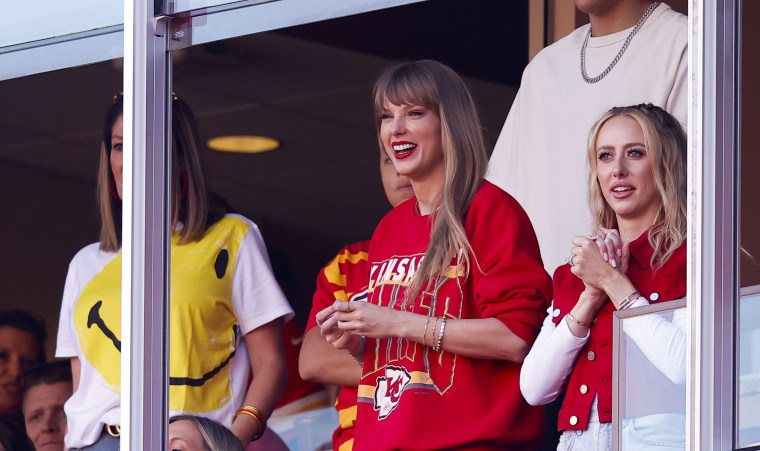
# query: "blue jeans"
{"points": [[596, 437], [657, 432], [661, 431]]}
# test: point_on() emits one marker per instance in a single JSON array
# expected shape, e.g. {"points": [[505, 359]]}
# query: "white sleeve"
{"points": [[65, 341], [549, 361], [661, 341], [256, 295]]}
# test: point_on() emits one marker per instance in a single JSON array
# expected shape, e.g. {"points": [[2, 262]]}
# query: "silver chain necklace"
{"points": [[635, 30]]}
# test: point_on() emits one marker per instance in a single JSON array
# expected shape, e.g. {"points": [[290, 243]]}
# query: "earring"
{"points": [[183, 182], [114, 191]]}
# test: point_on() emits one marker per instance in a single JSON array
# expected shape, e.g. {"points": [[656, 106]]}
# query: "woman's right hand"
{"points": [[617, 250], [588, 263], [337, 337]]}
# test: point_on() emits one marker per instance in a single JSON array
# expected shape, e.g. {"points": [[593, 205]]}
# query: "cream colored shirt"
{"points": [[540, 156]]}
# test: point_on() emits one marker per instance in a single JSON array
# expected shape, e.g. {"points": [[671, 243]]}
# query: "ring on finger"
{"points": [[570, 260]]}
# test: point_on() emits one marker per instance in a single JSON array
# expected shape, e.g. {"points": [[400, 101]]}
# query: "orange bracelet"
{"points": [[256, 414]]}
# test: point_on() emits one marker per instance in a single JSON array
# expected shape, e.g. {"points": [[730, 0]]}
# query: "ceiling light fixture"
{"points": [[243, 144]]}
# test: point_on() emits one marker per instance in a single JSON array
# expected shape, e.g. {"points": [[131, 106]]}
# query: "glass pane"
{"points": [[748, 360], [309, 86], [652, 378], [227, 21], [179, 6], [749, 368], [51, 128], [54, 18], [749, 136]]}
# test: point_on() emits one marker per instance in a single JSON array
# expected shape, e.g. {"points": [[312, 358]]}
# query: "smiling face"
{"points": [[18, 352], [44, 416], [624, 171], [117, 139], [397, 187], [184, 436], [411, 137]]}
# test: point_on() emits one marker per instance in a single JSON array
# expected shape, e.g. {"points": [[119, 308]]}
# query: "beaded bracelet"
{"points": [[575, 320], [257, 415], [432, 339], [437, 347]]}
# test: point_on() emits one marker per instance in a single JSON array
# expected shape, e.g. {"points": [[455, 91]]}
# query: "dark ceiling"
{"points": [[308, 86]]}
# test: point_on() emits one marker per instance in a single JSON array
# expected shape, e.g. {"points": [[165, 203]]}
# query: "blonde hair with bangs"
{"points": [[435, 86], [665, 142]]}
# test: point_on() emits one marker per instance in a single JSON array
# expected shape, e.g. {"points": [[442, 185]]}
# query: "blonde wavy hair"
{"points": [[665, 142], [436, 87]]}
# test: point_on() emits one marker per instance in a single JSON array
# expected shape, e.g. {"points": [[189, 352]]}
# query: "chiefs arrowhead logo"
{"points": [[389, 389]]}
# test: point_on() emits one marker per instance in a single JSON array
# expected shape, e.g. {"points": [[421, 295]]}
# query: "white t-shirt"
{"points": [[540, 156], [222, 287]]}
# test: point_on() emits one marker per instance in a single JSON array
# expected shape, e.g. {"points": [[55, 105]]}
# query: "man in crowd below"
{"points": [[22, 346], [48, 387], [632, 52]]}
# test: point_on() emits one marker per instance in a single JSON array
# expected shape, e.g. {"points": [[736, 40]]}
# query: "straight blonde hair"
{"points": [[436, 87], [190, 201], [665, 142]]}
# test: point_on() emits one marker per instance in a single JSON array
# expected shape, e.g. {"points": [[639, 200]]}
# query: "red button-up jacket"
{"points": [[592, 372]]}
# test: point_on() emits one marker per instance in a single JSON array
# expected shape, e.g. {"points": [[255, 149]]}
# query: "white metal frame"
{"points": [[145, 230], [713, 231]]}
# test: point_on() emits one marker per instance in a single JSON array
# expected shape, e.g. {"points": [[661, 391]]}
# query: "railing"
{"points": [[748, 369], [649, 377]]}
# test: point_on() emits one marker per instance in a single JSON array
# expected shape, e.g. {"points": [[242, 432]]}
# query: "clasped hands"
{"points": [[596, 260]]}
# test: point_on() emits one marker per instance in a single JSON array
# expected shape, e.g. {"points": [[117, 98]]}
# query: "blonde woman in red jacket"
{"points": [[637, 195]]}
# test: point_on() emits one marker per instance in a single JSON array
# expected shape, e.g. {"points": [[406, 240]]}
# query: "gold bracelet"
{"points": [[627, 301], [432, 340], [424, 334], [255, 413], [256, 419], [360, 362], [575, 320]]}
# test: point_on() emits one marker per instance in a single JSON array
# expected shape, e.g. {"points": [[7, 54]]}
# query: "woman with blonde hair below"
{"points": [[456, 289], [637, 256], [192, 433], [225, 312]]}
